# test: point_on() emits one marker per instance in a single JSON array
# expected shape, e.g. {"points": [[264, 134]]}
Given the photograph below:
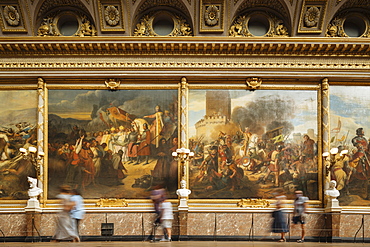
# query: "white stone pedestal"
{"points": [[332, 206], [33, 205]]}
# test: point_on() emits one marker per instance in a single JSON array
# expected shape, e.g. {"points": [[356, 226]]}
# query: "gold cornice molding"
{"points": [[118, 46], [201, 63]]}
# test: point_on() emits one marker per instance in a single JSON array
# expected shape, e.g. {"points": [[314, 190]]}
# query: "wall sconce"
{"points": [[183, 155], [331, 158]]}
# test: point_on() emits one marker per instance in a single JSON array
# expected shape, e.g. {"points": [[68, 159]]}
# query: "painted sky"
{"points": [[18, 106], [350, 105], [79, 104]]}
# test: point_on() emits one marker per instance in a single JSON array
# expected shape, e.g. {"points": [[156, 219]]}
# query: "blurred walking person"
{"points": [[64, 227], [279, 224], [300, 206], [78, 211]]}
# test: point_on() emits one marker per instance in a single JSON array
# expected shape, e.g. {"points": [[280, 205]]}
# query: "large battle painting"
{"points": [[112, 144], [350, 131], [247, 144], [17, 130]]}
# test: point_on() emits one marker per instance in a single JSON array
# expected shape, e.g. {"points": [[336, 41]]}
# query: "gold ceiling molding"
{"points": [[19, 47]]}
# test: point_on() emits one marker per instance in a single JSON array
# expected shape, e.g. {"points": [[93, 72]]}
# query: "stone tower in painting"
{"points": [[218, 113], [218, 103]]}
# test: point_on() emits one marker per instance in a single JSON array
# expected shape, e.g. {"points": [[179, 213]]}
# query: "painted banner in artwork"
{"points": [[350, 131], [112, 144], [17, 130], [248, 144]]}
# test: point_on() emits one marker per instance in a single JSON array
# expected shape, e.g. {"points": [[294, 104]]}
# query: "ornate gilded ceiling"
{"points": [[244, 37], [299, 18]]}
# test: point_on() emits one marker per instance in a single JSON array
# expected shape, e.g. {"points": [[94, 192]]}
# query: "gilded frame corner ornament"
{"points": [[111, 16], [211, 16], [111, 202], [253, 203], [312, 16], [12, 18], [254, 82], [112, 84]]}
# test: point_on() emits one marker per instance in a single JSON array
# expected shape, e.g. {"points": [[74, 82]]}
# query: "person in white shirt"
{"points": [[300, 206], [166, 219]]}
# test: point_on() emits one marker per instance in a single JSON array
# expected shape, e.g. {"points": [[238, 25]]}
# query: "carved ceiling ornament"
{"points": [[144, 26], [11, 15], [211, 15], [312, 16], [111, 15], [239, 27]]}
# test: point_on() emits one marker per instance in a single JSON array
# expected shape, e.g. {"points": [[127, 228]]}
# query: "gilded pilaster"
{"points": [[40, 128], [325, 118], [183, 116]]}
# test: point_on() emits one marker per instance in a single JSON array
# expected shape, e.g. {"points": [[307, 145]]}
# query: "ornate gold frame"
{"points": [[274, 86]]}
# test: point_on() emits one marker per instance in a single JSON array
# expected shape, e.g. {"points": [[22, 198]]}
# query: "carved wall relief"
{"points": [[258, 24], [349, 24], [66, 23], [163, 23]]}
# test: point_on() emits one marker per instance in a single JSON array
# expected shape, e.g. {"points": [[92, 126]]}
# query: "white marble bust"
{"points": [[34, 191], [183, 192], [332, 191]]}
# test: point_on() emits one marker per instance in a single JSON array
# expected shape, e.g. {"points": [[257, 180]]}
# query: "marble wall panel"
{"points": [[350, 224], [201, 224], [233, 224], [127, 223], [91, 224], [315, 226], [13, 224], [262, 224], [48, 224]]}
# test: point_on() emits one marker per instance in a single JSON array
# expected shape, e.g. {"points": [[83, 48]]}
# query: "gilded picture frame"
{"points": [[93, 147], [237, 150], [349, 138], [18, 135]]}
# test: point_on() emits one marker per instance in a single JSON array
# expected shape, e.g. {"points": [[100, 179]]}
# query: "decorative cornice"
{"points": [[15, 47]]}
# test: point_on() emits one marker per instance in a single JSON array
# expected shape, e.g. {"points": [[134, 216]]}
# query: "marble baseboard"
{"points": [[198, 224]]}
